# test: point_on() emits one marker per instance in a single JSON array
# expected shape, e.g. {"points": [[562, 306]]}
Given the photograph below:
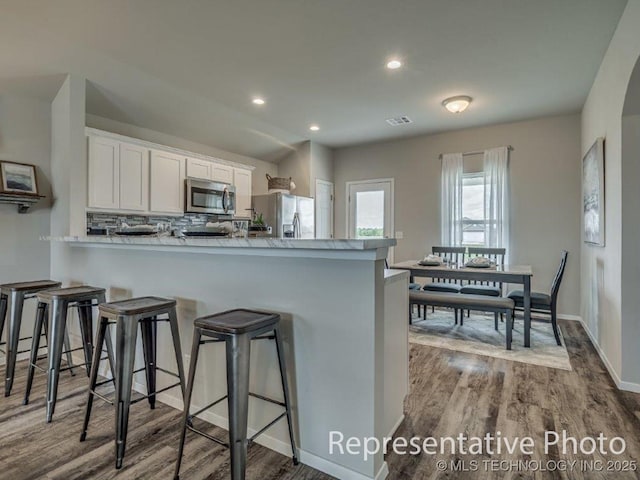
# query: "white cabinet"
{"points": [[242, 182], [104, 156], [118, 175], [166, 182], [222, 173], [134, 177], [197, 168]]}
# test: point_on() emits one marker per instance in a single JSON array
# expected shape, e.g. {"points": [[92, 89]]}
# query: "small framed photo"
{"points": [[18, 178]]}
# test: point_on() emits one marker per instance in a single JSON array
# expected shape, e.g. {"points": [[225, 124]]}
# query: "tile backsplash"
{"points": [[102, 220]]}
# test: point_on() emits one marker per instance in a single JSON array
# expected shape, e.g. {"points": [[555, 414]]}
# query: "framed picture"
{"points": [[18, 178], [593, 194]]}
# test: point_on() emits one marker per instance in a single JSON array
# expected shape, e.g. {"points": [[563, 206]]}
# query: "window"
{"points": [[473, 209]]}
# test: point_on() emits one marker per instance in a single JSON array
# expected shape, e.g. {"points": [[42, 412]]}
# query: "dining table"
{"points": [[514, 274]]}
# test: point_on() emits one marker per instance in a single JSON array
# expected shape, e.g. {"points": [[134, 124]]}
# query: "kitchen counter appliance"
{"points": [[290, 216], [203, 196]]}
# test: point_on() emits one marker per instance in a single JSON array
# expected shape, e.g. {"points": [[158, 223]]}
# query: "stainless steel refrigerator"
{"points": [[290, 216]]}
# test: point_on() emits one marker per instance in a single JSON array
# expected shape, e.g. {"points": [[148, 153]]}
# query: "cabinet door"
{"points": [[242, 182], [134, 177], [197, 168], [222, 173], [103, 173], [167, 182]]}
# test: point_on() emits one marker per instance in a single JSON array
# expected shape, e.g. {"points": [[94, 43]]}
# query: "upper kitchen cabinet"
{"points": [[222, 173], [134, 177], [118, 175], [242, 182], [104, 173], [167, 182], [197, 168]]}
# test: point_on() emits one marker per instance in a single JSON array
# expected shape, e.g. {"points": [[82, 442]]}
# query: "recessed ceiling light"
{"points": [[457, 104], [314, 128], [393, 64], [258, 101]]}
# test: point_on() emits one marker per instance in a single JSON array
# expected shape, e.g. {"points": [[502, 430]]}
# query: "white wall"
{"points": [[259, 181], [601, 284], [545, 186]]}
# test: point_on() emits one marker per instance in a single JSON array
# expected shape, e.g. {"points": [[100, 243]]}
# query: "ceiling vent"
{"points": [[395, 121]]}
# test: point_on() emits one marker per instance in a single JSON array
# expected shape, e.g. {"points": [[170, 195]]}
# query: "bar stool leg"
{"points": [[58, 325], [149, 329], [107, 336], [110, 356], [33, 358], [67, 350], [195, 349], [93, 378], [285, 389], [3, 313], [85, 315], [126, 334], [238, 356], [13, 338], [175, 335]]}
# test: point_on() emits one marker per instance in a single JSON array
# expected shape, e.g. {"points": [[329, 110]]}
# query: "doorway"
{"points": [[370, 210]]}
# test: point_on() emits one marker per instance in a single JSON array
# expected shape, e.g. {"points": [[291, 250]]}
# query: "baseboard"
{"points": [[626, 386], [339, 471], [396, 426], [566, 316]]}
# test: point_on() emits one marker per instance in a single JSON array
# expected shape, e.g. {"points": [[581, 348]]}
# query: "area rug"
{"points": [[478, 336]]}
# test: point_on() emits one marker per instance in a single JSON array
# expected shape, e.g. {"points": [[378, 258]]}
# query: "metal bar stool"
{"points": [[127, 314], [14, 295], [236, 328], [57, 303]]}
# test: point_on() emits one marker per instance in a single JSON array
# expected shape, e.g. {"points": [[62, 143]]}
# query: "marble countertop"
{"points": [[260, 243]]}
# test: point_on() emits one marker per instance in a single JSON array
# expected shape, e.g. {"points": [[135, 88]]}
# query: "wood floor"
{"points": [[451, 393]]}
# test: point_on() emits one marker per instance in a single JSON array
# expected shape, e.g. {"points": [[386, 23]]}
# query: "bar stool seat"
{"points": [[29, 287], [57, 302], [127, 315], [236, 328], [237, 321], [137, 306], [14, 295]]}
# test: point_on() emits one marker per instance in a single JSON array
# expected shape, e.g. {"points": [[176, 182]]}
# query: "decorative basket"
{"points": [[279, 184]]}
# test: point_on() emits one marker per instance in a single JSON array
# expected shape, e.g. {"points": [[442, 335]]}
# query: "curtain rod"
{"points": [[478, 152]]}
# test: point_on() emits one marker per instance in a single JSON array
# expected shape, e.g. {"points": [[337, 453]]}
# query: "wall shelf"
{"points": [[24, 202]]}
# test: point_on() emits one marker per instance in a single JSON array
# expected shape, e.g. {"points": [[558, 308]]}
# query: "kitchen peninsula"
{"points": [[344, 318]]}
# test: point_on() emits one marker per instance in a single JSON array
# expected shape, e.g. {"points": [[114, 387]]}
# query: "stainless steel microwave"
{"points": [[203, 196]]}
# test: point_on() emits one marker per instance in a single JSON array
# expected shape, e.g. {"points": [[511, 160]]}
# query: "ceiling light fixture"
{"points": [[258, 101], [457, 104], [314, 128], [393, 64]]}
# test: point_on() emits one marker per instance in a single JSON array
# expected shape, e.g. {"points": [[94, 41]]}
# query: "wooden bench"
{"points": [[462, 301]]}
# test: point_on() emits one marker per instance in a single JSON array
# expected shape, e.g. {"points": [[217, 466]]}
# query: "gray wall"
{"points": [[545, 184], [25, 137], [297, 165], [321, 165], [602, 276], [259, 182]]}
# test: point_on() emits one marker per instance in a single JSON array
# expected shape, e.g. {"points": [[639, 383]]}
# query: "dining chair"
{"points": [[543, 302], [453, 256], [478, 287]]}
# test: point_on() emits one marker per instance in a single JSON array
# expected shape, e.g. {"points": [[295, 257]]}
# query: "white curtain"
{"points": [[496, 195], [451, 205]]}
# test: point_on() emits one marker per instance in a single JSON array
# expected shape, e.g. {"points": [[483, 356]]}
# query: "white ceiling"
{"points": [[190, 67]]}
